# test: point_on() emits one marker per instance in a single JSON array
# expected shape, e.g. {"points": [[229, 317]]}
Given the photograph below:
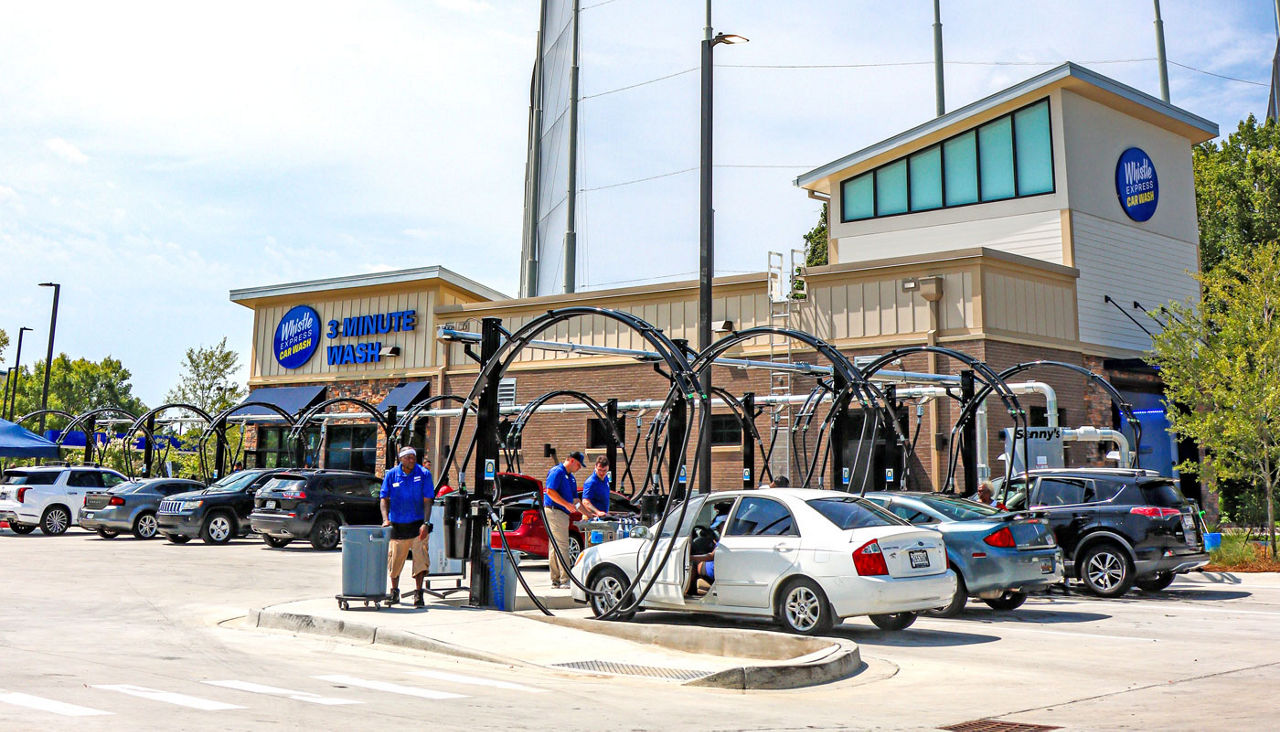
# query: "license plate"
{"points": [[919, 558], [86, 514], [1046, 566], [270, 504]]}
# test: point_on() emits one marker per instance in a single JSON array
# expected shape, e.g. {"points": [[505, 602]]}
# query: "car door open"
{"points": [[761, 543]]}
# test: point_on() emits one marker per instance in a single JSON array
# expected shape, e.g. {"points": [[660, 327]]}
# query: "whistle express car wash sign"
{"points": [[1136, 184], [297, 336]]}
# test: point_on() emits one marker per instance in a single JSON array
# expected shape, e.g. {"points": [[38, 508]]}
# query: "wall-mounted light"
{"points": [[389, 351]]}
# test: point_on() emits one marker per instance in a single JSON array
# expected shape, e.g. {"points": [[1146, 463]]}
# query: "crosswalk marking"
{"points": [[475, 680], [302, 696], [389, 687], [168, 697], [48, 705]]}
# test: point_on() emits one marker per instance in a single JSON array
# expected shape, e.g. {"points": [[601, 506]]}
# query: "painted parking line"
{"points": [[169, 697], [389, 687], [475, 680], [52, 706], [302, 696]]}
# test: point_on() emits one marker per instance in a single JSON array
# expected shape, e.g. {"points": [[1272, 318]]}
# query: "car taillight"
{"points": [[1002, 539], [22, 495], [116, 501], [529, 518], [1154, 511], [869, 560], [296, 495]]}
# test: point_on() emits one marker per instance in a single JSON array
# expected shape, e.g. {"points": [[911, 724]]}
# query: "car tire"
{"points": [[958, 601], [326, 534], [1011, 600], [21, 529], [575, 548], [108, 533], [611, 583], [803, 608], [894, 621], [55, 521], [275, 543], [1106, 571], [177, 538], [218, 529], [1156, 582], [145, 526]]}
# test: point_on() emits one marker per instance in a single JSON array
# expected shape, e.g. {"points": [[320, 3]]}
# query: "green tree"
{"points": [[815, 242], [4, 343], [1238, 190], [77, 386], [1220, 361], [208, 378]]}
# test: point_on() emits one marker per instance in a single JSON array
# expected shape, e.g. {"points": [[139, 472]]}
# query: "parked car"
{"points": [[313, 505], [526, 533], [131, 506], [997, 556], [1116, 527], [806, 558], [50, 496], [216, 514]]}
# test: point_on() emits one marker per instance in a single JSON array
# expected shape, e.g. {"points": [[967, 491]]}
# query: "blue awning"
{"points": [[17, 441], [293, 399], [406, 395]]}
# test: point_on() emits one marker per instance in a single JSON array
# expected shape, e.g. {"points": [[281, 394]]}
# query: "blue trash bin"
{"points": [[502, 579], [364, 561]]}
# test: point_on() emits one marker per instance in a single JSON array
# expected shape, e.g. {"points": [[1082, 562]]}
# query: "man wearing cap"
{"points": [[561, 490], [406, 498]]}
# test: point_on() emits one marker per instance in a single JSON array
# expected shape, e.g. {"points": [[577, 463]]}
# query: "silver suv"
{"points": [[50, 496]]}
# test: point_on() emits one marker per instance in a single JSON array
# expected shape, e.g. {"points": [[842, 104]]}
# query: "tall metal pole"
{"points": [[940, 102], [533, 171], [17, 373], [1273, 104], [706, 252], [571, 208], [1160, 58], [48, 359], [4, 403]]}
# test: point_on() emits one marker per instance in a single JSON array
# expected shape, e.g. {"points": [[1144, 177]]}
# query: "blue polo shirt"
{"points": [[407, 493], [561, 481], [596, 490]]}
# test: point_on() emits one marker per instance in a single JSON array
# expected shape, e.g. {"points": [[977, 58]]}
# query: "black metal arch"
{"points": [[530, 409], [747, 422], [219, 424], [92, 413], [297, 430], [38, 412], [408, 417], [139, 423]]}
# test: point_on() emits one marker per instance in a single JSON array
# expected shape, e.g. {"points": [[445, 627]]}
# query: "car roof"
{"points": [[1117, 472], [802, 494], [48, 468]]}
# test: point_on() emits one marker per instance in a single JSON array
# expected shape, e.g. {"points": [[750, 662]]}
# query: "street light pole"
{"points": [[48, 359], [17, 366]]}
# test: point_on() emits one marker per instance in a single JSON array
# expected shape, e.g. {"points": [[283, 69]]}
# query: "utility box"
{"points": [[502, 579], [457, 525], [1044, 444], [440, 562], [364, 561]]}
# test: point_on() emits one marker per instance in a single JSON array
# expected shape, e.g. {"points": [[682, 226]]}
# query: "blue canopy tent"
{"points": [[18, 442]]}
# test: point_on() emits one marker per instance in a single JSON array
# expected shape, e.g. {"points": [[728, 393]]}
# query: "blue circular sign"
{"points": [[297, 336], [1136, 184]]}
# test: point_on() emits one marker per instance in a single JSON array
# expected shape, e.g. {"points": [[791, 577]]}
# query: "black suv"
{"points": [[216, 514], [314, 504], [1117, 528]]}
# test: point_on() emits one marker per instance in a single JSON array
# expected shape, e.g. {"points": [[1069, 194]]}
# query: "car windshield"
{"points": [[959, 509], [233, 482], [1163, 493], [284, 484], [125, 489], [35, 477], [851, 512]]}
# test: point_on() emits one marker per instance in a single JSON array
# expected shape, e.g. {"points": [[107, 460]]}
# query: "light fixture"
{"points": [[729, 39], [722, 326], [388, 351]]}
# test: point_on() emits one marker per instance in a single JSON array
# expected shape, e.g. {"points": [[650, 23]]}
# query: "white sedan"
{"points": [[806, 558]]}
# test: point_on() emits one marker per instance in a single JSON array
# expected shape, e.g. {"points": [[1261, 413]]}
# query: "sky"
{"points": [[154, 156]]}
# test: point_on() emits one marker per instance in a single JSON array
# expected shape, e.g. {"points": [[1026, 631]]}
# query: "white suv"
{"points": [[50, 496]]}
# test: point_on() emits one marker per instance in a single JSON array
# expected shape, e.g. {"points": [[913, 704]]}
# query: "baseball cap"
{"points": [[577, 455]]}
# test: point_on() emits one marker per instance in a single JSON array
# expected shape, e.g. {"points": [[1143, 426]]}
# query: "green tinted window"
{"points": [[1035, 151], [926, 179], [891, 189], [961, 156], [857, 198], [995, 159]]}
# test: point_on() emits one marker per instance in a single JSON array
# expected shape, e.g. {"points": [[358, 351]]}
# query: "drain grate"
{"points": [[631, 669], [991, 725]]}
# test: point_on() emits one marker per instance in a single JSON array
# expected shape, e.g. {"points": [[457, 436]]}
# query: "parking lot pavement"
{"points": [[124, 633]]}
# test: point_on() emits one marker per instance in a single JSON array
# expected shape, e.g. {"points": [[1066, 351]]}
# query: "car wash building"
{"points": [[1037, 223]]}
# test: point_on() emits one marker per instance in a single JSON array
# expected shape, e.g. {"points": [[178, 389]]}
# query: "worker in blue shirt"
{"points": [[406, 497], [560, 491], [595, 491]]}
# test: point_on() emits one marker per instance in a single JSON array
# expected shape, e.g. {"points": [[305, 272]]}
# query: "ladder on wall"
{"points": [[782, 285]]}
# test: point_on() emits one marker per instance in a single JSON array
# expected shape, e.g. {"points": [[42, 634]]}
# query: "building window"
{"points": [[1007, 157], [275, 451], [726, 429], [507, 393], [352, 447], [598, 433]]}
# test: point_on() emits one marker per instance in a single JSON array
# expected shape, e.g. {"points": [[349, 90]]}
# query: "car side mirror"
{"points": [[641, 532]]}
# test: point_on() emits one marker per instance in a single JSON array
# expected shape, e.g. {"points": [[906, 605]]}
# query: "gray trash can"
{"points": [[502, 579], [364, 561]]}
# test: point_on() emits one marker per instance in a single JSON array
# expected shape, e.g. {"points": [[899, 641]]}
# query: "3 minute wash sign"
{"points": [[297, 336], [1136, 184]]}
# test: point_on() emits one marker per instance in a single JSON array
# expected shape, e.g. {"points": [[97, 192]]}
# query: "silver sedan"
{"points": [[130, 506]]}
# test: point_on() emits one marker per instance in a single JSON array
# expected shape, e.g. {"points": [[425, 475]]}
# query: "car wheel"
{"points": [[217, 529], [894, 621], [607, 587], [108, 533], [1008, 601], [803, 608], [21, 529], [1105, 570], [1156, 582], [56, 521], [958, 601], [145, 526], [575, 548], [326, 534], [275, 543], [177, 538]]}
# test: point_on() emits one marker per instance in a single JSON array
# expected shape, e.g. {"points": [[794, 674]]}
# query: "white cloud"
{"points": [[66, 151]]}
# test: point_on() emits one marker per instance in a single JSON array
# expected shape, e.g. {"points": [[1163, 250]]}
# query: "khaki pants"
{"points": [[399, 552], [558, 531]]}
